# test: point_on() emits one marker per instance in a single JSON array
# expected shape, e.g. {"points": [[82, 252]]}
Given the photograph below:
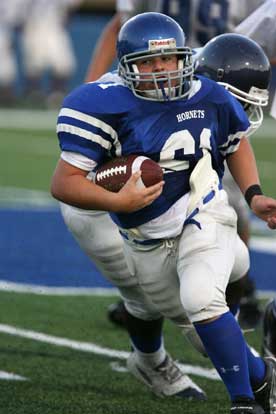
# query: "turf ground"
{"points": [[60, 379], [58, 353]]}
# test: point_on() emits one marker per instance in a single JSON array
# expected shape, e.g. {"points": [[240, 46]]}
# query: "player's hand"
{"points": [[265, 208], [133, 198]]}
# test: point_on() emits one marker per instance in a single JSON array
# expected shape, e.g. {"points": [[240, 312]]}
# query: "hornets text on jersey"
{"points": [[103, 119]]}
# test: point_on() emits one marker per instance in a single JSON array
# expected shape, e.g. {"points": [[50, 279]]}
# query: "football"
{"points": [[114, 174]]}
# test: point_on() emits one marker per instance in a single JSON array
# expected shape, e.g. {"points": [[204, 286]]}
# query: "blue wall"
{"points": [[36, 248], [84, 31]]}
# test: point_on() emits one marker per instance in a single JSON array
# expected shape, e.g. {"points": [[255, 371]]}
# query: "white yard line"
{"points": [[16, 197], [96, 349], [7, 286], [263, 244], [11, 377]]}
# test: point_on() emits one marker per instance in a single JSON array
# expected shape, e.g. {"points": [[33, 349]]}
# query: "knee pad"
{"points": [[202, 295], [197, 288]]}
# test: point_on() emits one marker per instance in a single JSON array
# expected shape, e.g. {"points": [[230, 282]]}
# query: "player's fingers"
{"points": [[271, 222], [135, 177], [154, 188], [153, 195]]}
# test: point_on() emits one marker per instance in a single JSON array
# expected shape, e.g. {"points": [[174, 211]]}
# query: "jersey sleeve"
{"points": [[83, 127], [233, 125]]}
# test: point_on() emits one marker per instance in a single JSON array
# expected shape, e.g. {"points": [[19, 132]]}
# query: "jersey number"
{"points": [[182, 140]]}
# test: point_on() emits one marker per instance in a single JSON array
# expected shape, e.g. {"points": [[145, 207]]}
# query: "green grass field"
{"points": [[29, 150], [59, 379]]}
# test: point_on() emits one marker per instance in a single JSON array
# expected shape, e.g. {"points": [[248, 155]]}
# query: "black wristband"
{"points": [[253, 190]]}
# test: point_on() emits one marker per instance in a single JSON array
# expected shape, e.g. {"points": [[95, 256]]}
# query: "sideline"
{"points": [[46, 120], [96, 349], [28, 119]]}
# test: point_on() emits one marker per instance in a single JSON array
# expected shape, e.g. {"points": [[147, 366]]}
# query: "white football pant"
{"points": [[198, 265]]}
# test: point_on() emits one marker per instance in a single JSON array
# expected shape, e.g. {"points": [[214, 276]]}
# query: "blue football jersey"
{"points": [[104, 119]]}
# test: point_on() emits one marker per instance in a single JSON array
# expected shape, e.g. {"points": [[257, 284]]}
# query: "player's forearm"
{"points": [[82, 193], [71, 186], [242, 165]]}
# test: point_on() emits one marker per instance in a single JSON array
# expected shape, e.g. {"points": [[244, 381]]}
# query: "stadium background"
{"points": [[27, 232], [59, 354]]}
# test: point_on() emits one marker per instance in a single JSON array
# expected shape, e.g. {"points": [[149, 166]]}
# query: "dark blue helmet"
{"points": [[241, 66], [154, 34]]}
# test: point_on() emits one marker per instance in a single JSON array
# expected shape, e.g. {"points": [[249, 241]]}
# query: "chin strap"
{"points": [[163, 90]]}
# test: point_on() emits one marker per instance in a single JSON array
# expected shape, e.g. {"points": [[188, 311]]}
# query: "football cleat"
{"points": [[245, 406], [250, 314], [269, 330], [116, 313], [166, 379], [265, 395]]}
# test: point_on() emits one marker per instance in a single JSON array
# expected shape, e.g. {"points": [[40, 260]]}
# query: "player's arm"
{"points": [[242, 165], [70, 185], [105, 50]]}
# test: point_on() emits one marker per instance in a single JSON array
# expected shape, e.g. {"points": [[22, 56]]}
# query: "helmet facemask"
{"points": [[177, 82], [252, 102]]}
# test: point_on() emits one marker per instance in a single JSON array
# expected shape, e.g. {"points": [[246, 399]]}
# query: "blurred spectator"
{"points": [[47, 48], [101, 62], [240, 9], [12, 17], [200, 19], [261, 27]]}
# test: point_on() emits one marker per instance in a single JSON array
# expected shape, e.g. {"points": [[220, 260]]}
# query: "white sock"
{"points": [[153, 359]]}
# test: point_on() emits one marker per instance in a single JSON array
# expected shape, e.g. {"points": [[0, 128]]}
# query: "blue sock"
{"points": [[226, 348], [256, 368]]}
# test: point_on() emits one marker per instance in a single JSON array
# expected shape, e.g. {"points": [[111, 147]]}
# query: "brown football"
{"points": [[114, 174]]}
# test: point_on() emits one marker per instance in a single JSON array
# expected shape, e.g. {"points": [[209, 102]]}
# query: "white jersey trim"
{"points": [[78, 160], [91, 120], [227, 148], [70, 129]]}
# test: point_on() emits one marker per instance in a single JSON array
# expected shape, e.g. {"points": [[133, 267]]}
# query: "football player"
{"points": [[240, 70], [260, 26], [200, 20], [222, 61], [180, 236], [269, 330]]}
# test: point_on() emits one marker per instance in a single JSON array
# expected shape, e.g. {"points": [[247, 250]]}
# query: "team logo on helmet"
{"points": [[162, 44]]}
